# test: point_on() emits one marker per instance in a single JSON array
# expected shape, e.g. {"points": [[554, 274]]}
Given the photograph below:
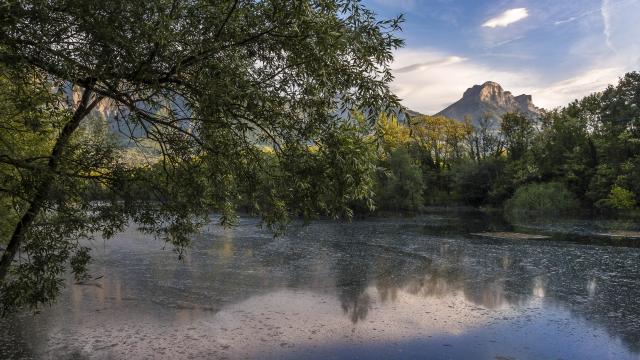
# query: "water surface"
{"points": [[419, 287]]}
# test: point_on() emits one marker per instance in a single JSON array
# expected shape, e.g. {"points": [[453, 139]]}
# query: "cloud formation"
{"points": [[588, 82], [432, 63], [524, 59], [506, 18], [576, 17], [428, 81], [606, 20]]}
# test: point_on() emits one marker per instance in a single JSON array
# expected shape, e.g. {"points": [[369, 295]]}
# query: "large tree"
{"points": [[245, 101]]}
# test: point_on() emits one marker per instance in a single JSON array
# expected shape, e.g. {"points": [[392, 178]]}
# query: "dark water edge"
{"points": [[413, 287]]}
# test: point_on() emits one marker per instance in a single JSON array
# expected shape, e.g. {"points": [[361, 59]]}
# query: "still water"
{"points": [[421, 287]]}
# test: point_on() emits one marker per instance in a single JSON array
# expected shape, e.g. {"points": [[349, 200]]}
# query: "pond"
{"points": [[430, 286]]}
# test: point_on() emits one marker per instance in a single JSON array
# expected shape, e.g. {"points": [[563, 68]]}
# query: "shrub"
{"points": [[541, 199], [619, 198]]}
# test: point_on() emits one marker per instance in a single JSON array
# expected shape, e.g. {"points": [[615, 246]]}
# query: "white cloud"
{"points": [[506, 18], [568, 20], [606, 21], [576, 17], [564, 91], [430, 63], [428, 81]]}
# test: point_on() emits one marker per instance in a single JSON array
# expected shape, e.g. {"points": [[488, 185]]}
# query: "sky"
{"points": [[555, 50]]}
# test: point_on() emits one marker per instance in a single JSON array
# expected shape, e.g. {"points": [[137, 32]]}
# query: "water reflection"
{"points": [[412, 284]]}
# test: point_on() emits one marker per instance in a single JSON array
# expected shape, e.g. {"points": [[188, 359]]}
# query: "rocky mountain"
{"points": [[122, 129], [489, 98]]}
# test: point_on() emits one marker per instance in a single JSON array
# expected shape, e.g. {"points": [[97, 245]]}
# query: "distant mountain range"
{"points": [[488, 99]]}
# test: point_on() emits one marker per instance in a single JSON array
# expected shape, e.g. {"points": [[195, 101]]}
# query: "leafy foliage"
{"points": [[541, 199], [201, 88], [619, 198], [400, 188], [518, 132]]}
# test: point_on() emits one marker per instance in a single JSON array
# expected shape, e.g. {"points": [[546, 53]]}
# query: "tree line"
{"points": [[585, 155]]}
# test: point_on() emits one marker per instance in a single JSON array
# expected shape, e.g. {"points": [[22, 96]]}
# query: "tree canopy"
{"points": [[247, 104]]}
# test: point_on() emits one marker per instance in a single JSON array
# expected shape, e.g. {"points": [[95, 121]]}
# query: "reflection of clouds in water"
{"points": [[262, 324], [285, 322], [311, 319], [240, 291], [538, 287], [591, 287]]}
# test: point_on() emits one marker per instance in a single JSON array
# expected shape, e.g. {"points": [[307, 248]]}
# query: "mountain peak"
{"points": [[491, 84], [487, 87], [489, 98]]}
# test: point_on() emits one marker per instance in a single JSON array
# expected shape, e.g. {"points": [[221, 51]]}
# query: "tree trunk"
{"points": [[42, 191]]}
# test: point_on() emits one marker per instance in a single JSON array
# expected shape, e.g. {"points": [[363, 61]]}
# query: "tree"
{"points": [[616, 136], [391, 134], [485, 141], [541, 199], [473, 181], [563, 150], [620, 198], [210, 84], [517, 132], [442, 138], [400, 188]]}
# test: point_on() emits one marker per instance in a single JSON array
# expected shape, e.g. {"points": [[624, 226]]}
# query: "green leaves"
{"points": [[196, 90], [401, 189], [620, 198], [518, 132]]}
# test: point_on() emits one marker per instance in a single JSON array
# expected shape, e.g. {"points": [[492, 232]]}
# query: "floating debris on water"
{"points": [[623, 234], [510, 235]]}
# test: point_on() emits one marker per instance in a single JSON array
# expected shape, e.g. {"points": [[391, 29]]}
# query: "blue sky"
{"points": [[555, 50]]}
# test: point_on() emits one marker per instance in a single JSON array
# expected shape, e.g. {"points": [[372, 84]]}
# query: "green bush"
{"points": [[541, 199], [619, 198]]}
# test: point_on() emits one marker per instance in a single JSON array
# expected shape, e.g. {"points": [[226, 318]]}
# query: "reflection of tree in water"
{"points": [[352, 279], [494, 275], [598, 284], [595, 283]]}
